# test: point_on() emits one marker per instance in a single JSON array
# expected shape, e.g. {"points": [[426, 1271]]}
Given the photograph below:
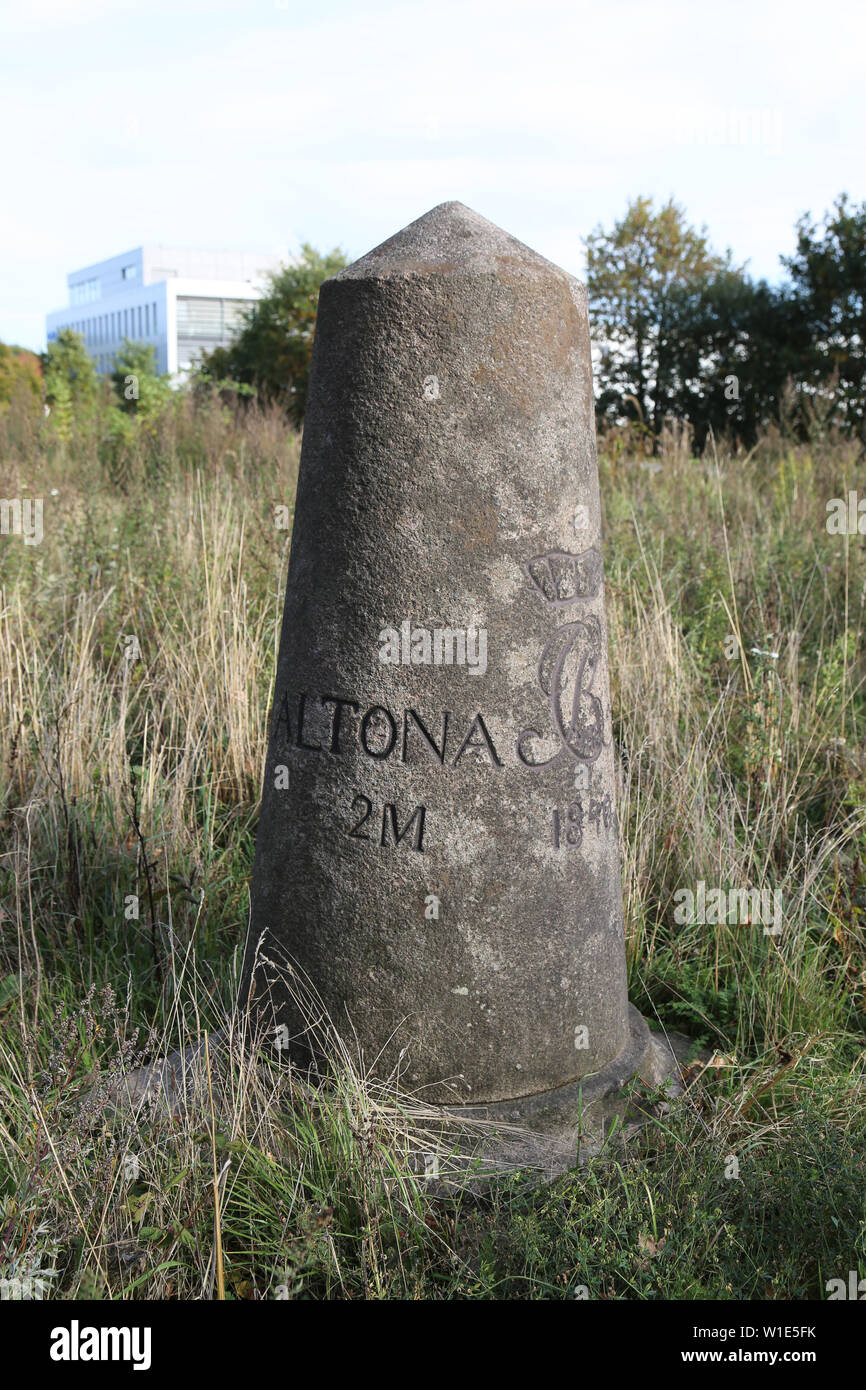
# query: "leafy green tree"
{"points": [[139, 387], [643, 276], [707, 320], [273, 349], [71, 384], [828, 270], [20, 376], [738, 344]]}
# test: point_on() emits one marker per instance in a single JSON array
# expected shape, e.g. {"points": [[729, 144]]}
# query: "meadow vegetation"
{"points": [[137, 653]]}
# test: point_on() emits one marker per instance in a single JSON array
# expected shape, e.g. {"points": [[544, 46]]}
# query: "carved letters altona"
{"points": [[326, 724]]}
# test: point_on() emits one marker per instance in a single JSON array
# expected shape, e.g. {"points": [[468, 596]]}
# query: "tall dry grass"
{"points": [[135, 777]]}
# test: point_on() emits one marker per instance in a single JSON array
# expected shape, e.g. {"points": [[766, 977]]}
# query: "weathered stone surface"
{"points": [[566, 1127], [448, 480]]}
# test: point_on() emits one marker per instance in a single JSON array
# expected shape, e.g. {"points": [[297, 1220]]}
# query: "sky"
{"points": [[262, 125]]}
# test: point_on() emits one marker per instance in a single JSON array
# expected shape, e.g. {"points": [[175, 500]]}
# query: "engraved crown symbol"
{"points": [[562, 578]]}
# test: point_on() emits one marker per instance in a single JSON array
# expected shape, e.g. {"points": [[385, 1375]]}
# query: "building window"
{"points": [[84, 292], [129, 272], [216, 319], [154, 319]]}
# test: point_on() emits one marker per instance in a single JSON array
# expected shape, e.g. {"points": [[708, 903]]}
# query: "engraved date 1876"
{"points": [[569, 823]]}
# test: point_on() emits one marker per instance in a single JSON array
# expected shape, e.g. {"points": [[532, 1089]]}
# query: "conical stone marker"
{"points": [[438, 853]]}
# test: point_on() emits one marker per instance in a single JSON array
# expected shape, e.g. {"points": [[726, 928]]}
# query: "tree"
{"points": [[139, 387], [273, 349], [643, 278], [737, 344], [828, 270], [71, 385], [20, 376]]}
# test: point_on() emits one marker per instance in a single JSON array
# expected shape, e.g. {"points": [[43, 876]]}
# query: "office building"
{"points": [[182, 302]]}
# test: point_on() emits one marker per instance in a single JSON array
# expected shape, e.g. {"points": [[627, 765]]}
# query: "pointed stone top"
{"points": [[450, 239]]}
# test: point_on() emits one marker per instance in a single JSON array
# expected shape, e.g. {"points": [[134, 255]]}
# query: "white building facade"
{"points": [[181, 302]]}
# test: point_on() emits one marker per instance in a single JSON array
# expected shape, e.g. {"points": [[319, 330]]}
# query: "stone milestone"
{"points": [[438, 857]]}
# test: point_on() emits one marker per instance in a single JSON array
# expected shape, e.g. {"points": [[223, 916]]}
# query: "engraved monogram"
{"points": [[569, 660]]}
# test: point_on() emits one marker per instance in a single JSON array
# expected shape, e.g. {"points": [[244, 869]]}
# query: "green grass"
{"points": [[141, 778]]}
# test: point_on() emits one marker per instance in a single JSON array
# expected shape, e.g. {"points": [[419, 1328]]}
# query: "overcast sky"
{"points": [[264, 124]]}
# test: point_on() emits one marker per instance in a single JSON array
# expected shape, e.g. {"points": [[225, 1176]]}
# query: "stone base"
{"points": [[546, 1134], [560, 1129]]}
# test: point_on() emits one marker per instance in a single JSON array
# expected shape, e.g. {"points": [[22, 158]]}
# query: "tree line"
{"points": [[681, 332]]}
